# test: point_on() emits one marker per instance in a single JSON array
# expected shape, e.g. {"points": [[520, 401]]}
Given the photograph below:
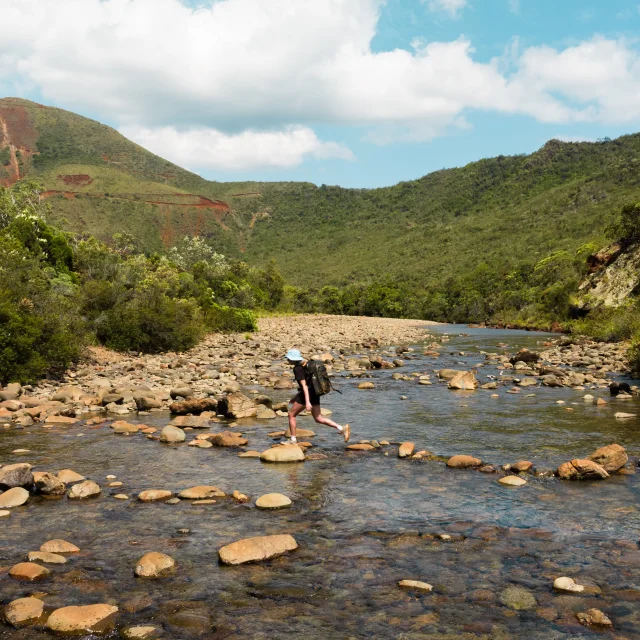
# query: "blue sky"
{"points": [[360, 93]]}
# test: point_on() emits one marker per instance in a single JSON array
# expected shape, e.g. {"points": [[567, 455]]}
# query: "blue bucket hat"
{"points": [[294, 355]]}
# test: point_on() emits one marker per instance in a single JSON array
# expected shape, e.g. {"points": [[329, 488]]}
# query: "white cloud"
{"points": [[211, 149], [514, 6], [244, 69], [452, 7]]}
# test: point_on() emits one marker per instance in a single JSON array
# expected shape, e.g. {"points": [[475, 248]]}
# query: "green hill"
{"points": [[503, 211]]}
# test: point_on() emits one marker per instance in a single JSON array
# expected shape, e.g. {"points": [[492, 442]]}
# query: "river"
{"points": [[363, 521]]}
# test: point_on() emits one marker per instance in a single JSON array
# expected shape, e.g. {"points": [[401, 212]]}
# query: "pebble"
{"points": [[121, 496]]}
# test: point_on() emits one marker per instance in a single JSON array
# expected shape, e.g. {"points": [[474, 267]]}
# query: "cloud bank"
{"points": [[253, 78]]}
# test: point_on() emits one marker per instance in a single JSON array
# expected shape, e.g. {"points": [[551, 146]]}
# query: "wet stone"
{"points": [[518, 598], [24, 611]]}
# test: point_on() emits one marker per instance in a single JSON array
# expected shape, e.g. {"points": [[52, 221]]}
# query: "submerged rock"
{"points": [[93, 618], [257, 549], [141, 632], [518, 598], [201, 492], [594, 618], [46, 557]]}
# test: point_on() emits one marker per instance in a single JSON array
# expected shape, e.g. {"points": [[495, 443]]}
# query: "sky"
{"points": [[358, 93]]}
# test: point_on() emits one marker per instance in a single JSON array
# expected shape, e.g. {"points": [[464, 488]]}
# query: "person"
{"points": [[306, 398]]}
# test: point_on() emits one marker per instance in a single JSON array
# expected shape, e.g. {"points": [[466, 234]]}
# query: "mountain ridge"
{"points": [[499, 211]]}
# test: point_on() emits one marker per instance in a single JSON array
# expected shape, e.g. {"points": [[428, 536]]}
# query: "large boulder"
{"points": [[48, 484], [226, 439], [611, 457], [286, 453], [172, 435], [154, 565], [236, 405], [581, 470], [16, 475], [524, 355], [463, 462], [465, 380], [15, 497], [195, 406], [82, 490], [257, 549], [23, 611], [93, 618], [147, 402]]}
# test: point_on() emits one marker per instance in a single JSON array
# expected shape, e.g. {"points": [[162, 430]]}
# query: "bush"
{"points": [[229, 319], [634, 357]]}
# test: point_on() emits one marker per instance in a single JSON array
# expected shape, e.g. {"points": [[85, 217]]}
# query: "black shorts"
{"points": [[313, 399]]}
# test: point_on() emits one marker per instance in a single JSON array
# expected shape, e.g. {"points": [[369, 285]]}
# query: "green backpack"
{"points": [[319, 378]]}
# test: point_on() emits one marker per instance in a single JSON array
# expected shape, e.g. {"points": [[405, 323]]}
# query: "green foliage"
{"points": [[634, 356], [227, 319], [626, 228], [5, 156]]}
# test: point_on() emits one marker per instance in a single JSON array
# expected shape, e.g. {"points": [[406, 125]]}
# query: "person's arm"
{"points": [[305, 390]]}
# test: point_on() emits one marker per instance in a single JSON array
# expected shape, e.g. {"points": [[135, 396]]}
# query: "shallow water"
{"points": [[363, 521]]}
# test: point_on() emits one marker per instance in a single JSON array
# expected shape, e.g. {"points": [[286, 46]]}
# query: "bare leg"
{"points": [[320, 419], [296, 409]]}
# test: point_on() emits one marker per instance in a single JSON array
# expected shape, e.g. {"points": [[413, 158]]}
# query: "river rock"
{"points": [[366, 385], [48, 484], [465, 381], [86, 489], [195, 422], [152, 495], [93, 618], [46, 557], [227, 439], [23, 611], [172, 435], [201, 492], [448, 374], [264, 413], [249, 454], [621, 415], [523, 466], [360, 446], [415, 585], [122, 426], [69, 477], [183, 391], [60, 420], [16, 475], [406, 449], [141, 632], [512, 481], [567, 584], [195, 406], [300, 433], [611, 457], [59, 546], [518, 598], [273, 501], [286, 453], [581, 470], [256, 549], [237, 405], [594, 618], [15, 497], [463, 462], [28, 571], [154, 565], [147, 402], [526, 356]]}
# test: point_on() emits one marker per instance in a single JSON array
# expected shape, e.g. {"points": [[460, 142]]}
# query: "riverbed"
{"points": [[362, 520]]}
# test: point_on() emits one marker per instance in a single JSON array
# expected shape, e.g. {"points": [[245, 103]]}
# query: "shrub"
{"points": [[230, 319]]}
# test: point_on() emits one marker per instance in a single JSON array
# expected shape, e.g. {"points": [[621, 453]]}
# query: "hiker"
{"points": [[307, 398]]}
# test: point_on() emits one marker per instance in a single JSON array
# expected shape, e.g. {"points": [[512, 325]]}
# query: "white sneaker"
{"points": [[288, 441]]}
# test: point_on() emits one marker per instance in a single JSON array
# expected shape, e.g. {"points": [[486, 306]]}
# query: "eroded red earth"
{"points": [[18, 134]]}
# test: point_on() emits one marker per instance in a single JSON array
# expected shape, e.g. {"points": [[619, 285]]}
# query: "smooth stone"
{"points": [[463, 462], [4, 513], [23, 611], [121, 496], [15, 497], [360, 447], [273, 501], [415, 585], [141, 632], [196, 502], [366, 385], [93, 618], [28, 571], [201, 492], [171, 435], [115, 484], [300, 433], [256, 549], [151, 495], [567, 584], [59, 546], [287, 453], [154, 565], [464, 381], [512, 481], [249, 454], [82, 490], [621, 415], [595, 618], [46, 557], [406, 449], [69, 477]]}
